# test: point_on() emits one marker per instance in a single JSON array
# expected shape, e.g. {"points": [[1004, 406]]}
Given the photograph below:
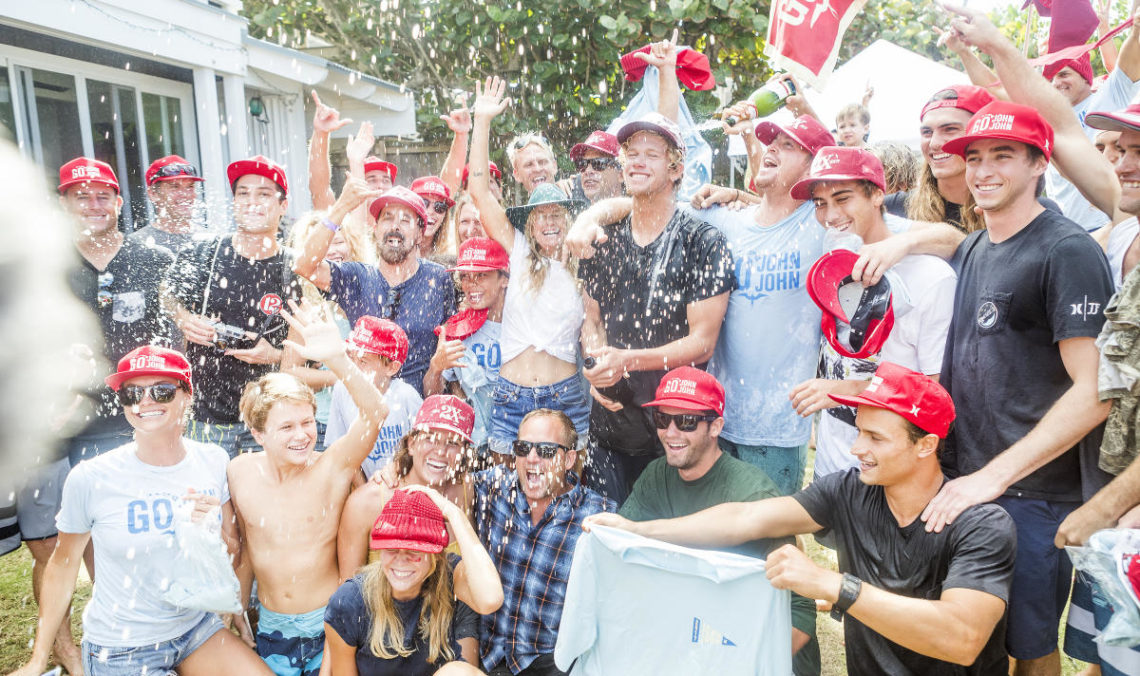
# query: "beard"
{"points": [[395, 253]]}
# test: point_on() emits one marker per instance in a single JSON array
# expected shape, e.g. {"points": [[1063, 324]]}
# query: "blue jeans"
{"points": [[784, 465], [152, 659], [511, 402]]}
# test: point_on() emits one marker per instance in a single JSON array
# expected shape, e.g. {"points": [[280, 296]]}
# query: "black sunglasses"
{"points": [[596, 163], [686, 422], [392, 305], [160, 393], [440, 207], [545, 449], [172, 170]]}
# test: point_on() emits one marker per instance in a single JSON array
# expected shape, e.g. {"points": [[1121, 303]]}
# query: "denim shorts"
{"points": [[152, 659], [511, 402]]}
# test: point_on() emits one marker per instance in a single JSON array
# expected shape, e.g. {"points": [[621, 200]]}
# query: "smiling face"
{"points": [[484, 289], [647, 167], [686, 450], [595, 182], [887, 456], [398, 233], [174, 198], [1128, 171], [533, 165], [543, 479], [339, 251], [939, 126], [783, 163], [436, 457], [849, 206], [469, 224], [258, 205], [547, 226], [406, 571], [1071, 85], [148, 416], [290, 432], [1002, 175], [94, 206]]}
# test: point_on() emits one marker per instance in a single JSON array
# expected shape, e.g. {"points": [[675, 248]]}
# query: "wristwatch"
{"points": [[848, 592]]}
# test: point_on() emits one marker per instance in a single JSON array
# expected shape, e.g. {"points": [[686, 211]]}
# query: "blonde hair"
{"points": [[570, 433], [360, 248], [675, 155], [386, 639], [260, 396], [900, 165], [853, 111], [537, 264], [925, 203]]}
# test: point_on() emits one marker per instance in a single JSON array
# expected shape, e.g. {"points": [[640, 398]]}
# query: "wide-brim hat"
{"points": [[544, 194]]}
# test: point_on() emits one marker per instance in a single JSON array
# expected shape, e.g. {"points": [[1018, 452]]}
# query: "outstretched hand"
{"points": [[320, 336], [360, 145], [973, 27], [490, 97], [326, 119], [661, 54], [459, 120]]}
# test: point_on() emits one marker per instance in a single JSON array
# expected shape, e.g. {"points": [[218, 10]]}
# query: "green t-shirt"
{"points": [[661, 493]]}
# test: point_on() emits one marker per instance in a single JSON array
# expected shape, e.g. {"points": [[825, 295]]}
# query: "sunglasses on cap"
{"points": [[172, 170], [160, 393], [545, 449], [596, 163], [685, 422], [440, 207], [527, 139]]}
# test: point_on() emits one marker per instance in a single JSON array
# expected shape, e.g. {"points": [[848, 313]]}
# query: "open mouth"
{"points": [[939, 157], [987, 187], [151, 414], [436, 466], [534, 479]]}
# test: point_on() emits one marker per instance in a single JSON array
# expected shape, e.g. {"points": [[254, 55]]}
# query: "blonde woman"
{"points": [[544, 307], [400, 616]]}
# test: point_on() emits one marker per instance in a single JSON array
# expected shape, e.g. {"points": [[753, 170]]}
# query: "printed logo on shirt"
{"points": [[987, 315], [707, 636], [270, 304], [1085, 309], [128, 307], [760, 274]]}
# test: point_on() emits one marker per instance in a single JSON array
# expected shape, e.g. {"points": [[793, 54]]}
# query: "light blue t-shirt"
{"points": [[770, 339], [1114, 94], [483, 357], [704, 613], [403, 405]]}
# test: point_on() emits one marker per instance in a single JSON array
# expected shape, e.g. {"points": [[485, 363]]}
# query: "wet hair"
{"points": [[900, 165], [386, 639], [925, 203], [402, 457], [525, 139], [260, 396], [675, 155], [853, 111], [569, 433]]}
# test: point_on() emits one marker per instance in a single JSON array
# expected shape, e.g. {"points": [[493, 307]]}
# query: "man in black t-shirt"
{"points": [[225, 296], [914, 601], [657, 292]]}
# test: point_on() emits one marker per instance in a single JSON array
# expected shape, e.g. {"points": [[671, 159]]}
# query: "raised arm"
{"points": [[459, 122], [1073, 155], [489, 102], [311, 263], [588, 228], [325, 121], [56, 590], [1128, 61], [663, 56], [324, 344], [725, 525], [936, 239], [979, 73]]}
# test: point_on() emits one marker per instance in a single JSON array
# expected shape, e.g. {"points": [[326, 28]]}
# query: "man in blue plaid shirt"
{"points": [[529, 520]]}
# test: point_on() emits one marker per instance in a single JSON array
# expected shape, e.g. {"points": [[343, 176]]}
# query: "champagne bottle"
{"points": [[767, 100]]}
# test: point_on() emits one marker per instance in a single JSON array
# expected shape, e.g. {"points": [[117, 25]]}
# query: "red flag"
{"points": [[1076, 51], [1073, 21], [804, 36]]}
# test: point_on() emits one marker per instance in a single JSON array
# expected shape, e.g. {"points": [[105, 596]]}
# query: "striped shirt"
{"points": [[533, 562]]}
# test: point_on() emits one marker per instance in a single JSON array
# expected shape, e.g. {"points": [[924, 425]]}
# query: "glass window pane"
{"points": [[57, 111], [115, 132], [7, 109], [163, 122]]}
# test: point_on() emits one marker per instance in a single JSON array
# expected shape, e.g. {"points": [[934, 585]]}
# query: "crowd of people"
{"points": [[405, 411]]}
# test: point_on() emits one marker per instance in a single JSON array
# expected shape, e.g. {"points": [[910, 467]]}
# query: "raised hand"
{"points": [[661, 54], [489, 98], [360, 145], [320, 336], [459, 120], [327, 119], [354, 193], [973, 28]]}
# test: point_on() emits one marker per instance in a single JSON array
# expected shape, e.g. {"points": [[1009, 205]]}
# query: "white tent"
{"points": [[903, 82]]}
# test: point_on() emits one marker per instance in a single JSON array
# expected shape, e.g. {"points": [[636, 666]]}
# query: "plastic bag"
{"points": [[1106, 559], [698, 153], [202, 577]]}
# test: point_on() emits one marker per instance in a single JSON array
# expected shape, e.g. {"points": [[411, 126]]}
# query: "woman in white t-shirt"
{"points": [[125, 502], [544, 307]]}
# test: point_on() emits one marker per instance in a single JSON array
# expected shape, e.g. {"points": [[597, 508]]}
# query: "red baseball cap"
{"points": [[462, 324], [806, 131], [601, 141], [841, 164], [1005, 120], [432, 186], [169, 168], [379, 336], [494, 168], [1127, 119], [446, 412], [402, 196], [1082, 65], [965, 97], [373, 163], [910, 394], [260, 165], [856, 320], [479, 254], [410, 520], [691, 389], [150, 360], [86, 170], [655, 123]]}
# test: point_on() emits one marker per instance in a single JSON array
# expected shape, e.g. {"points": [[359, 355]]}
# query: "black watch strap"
{"points": [[848, 592]]}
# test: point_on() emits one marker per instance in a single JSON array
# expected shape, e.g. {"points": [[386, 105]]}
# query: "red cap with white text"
{"points": [[910, 394], [150, 360], [446, 412], [1008, 121], [841, 164], [691, 389], [86, 170]]}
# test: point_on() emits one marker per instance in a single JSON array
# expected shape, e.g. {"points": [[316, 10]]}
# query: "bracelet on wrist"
{"points": [[327, 222]]}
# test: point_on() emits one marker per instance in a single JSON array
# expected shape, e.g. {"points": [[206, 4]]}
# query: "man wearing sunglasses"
{"points": [[172, 186], [911, 601], [529, 519], [599, 171], [695, 474]]}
